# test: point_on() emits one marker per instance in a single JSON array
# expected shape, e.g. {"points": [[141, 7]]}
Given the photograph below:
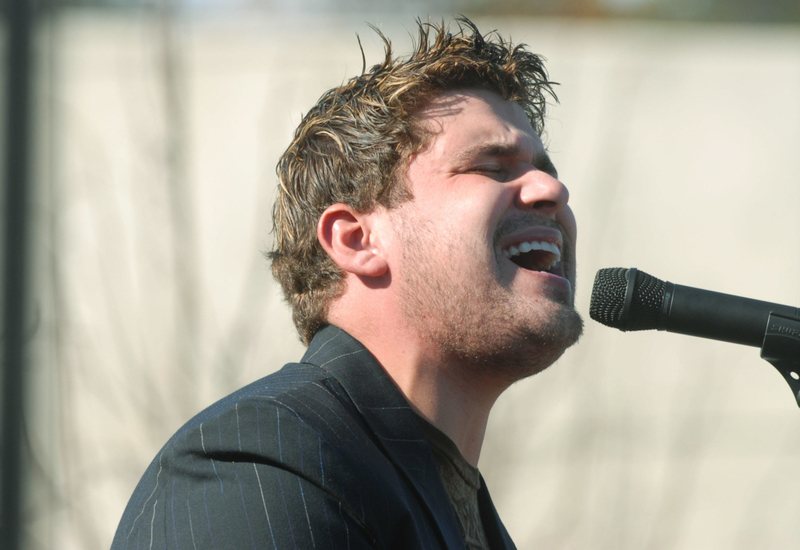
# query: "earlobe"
{"points": [[347, 237]]}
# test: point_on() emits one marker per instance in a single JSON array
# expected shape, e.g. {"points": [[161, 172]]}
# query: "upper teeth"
{"points": [[533, 245]]}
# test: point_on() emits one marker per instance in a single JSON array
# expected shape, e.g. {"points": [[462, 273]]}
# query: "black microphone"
{"points": [[629, 299]]}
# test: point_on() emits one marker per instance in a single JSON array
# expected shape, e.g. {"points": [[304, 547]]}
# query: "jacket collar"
{"points": [[398, 431], [389, 416]]}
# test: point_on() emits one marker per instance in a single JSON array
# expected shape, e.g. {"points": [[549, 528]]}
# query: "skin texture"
{"points": [[429, 291]]}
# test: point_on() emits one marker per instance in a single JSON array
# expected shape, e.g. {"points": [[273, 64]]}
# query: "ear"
{"points": [[347, 236]]}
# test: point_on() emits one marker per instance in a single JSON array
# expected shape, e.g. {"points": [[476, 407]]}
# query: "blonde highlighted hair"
{"points": [[351, 147]]}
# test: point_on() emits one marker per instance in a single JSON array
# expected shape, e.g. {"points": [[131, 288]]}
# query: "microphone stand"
{"points": [[781, 347]]}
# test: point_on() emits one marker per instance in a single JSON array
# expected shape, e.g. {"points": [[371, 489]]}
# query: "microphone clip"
{"points": [[781, 347]]}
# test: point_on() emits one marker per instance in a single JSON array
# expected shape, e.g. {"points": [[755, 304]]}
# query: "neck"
{"points": [[448, 402], [455, 399]]}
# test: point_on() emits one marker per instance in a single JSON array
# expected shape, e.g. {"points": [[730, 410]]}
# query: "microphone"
{"points": [[629, 299]]}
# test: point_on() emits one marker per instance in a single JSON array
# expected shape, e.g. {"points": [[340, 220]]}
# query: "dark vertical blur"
{"points": [[19, 17]]}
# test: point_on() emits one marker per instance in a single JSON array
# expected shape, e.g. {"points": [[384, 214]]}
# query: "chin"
{"points": [[511, 355]]}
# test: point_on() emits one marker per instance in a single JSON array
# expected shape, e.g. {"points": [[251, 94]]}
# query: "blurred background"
{"points": [[155, 130]]}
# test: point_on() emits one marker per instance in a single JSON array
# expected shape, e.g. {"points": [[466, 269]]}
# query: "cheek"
{"points": [[469, 215]]}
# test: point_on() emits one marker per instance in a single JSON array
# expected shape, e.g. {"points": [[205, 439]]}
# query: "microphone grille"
{"points": [[608, 300], [608, 296]]}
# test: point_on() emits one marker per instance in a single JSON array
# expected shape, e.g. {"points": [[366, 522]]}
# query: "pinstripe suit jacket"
{"points": [[325, 453]]}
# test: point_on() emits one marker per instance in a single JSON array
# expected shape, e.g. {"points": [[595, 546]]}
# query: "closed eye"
{"points": [[492, 171]]}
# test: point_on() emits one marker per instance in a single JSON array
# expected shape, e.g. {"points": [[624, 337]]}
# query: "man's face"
{"points": [[487, 265]]}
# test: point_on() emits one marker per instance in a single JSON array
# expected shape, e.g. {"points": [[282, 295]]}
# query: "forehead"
{"points": [[460, 119]]}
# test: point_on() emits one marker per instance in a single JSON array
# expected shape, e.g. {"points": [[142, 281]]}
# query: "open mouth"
{"points": [[534, 255]]}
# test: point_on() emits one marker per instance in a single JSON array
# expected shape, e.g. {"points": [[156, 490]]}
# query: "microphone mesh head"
{"points": [[608, 300], [608, 296]]}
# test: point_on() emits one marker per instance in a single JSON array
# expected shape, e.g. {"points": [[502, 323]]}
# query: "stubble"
{"points": [[471, 318]]}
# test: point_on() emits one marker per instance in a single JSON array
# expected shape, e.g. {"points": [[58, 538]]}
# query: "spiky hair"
{"points": [[352, 146]]}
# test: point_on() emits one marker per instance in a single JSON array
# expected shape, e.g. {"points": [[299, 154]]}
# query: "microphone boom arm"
{"points": [[632, 300]]}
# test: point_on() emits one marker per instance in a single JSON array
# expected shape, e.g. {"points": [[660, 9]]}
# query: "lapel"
{"points": [[390, 417], [496, 534]]}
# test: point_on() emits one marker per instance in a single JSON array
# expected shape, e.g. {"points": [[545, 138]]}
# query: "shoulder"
{"points": [[287, 458]]}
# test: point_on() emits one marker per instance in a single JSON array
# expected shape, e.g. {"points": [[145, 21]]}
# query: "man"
{"points": [[426, 248]]}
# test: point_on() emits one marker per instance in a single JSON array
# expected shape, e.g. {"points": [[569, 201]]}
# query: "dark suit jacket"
{"points": [[325, 453]]}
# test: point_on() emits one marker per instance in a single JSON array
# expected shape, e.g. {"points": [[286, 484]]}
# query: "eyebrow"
{"points": [[541, 160]]}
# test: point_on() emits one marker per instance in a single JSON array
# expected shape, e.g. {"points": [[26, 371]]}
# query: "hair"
{"points": [[353, 145]]}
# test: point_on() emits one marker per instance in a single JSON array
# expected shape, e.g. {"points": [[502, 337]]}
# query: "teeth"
{"points": [[535, 245]]}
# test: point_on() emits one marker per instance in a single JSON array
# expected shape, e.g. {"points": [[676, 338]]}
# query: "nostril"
{"points": [[544, 205]]}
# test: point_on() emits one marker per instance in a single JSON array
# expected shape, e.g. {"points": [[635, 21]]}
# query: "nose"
{"points": [[542, 193]]}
